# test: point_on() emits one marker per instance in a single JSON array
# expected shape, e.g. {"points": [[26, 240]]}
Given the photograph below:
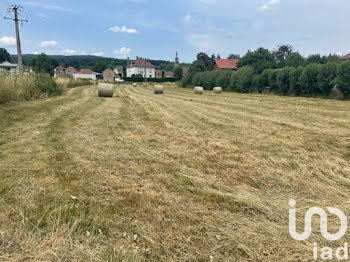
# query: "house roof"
{"points": [[226, 63], [346, 57], [8, 64], [60, 68], [169, 74], [85, 71], [71, 68], [140, 62]]}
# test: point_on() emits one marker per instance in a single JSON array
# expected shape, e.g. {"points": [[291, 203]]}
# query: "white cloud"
{"points": [[123, 29], [269, 4], [69, 52], [187, 19], [36, 53], [122, 52], [48, 44], [8, 41], [97, 53]]}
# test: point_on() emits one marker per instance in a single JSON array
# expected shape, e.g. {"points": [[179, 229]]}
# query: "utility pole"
{"points": [[145, 72], [17, 9]]}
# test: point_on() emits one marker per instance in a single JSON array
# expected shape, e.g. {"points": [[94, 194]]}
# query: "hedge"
{"points": [[154, 80], [311, 80]]}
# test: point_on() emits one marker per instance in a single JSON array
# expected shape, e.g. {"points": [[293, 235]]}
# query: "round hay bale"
{"points": [[134, 84], [217, 90], [158, 89], [336, 94], [105, 90], [198, 90]]}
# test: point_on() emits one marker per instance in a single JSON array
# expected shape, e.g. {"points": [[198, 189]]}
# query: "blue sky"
{"points": [[156, 29]]}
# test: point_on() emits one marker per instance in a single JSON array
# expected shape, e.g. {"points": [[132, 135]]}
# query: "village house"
{"points": [[108, 75], [228, 64], [59, 71], [71, 70], [7, 67], [85, 74], [142, 67]]}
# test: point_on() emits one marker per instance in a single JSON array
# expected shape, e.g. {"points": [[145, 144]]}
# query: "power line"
{"points": [[17, 9]]}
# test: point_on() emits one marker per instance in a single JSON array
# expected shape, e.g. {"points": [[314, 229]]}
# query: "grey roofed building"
{"points": [[8, 67]]}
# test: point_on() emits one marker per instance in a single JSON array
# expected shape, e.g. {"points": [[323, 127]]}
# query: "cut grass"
{"points": [[167, 178]]}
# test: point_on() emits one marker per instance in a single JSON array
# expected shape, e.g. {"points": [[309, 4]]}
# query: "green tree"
{"points": [[178, 72], [326, 77], [233, 56], [273, 80], [224, 78], [343, 78], [245, 77], [316, 59], [260, 60], [294, 81], [4, 55], [309, 81], [282, 53], [207, 61], [294, 60], [283, 81], [43, 64], [99, 67], [264, 79]]}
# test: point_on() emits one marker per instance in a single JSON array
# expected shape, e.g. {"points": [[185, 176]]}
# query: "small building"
{"points": [[159, 73], [71, 70], [228, 64], [142, 67], [85, 74], [108, 75], [59, 71], [169, 74], [7, 67]]}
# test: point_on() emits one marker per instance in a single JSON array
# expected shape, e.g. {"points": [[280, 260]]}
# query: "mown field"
{"points": [[173, 177]]}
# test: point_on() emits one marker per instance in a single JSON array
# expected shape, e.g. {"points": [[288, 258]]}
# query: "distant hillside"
{"points": [[87, 61]]}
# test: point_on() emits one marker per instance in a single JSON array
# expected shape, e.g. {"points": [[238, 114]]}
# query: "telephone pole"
{"points": [[16, 9]]}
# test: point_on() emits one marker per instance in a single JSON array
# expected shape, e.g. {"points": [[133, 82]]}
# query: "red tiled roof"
{"points": [[71, 68], [60, 68], [85, 71], [346, 57], [140, 62], [226, 63]]}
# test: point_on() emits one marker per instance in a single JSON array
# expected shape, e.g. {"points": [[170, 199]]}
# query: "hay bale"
{"points": [[105, 90], [198, 90], [336, 94], [134, 84], [217, 90], [158, 89]]}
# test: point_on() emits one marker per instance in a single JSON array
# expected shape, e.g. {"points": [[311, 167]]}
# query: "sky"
{"points": [[156, 29]]}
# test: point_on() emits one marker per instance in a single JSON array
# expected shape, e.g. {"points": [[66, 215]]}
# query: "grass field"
{"points": [[173, 177]]}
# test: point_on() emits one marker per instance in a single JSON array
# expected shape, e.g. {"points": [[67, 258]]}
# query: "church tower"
{"points": [[177, 63]]}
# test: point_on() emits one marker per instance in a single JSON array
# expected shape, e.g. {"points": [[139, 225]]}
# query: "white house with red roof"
{"points": [[141, 66]]}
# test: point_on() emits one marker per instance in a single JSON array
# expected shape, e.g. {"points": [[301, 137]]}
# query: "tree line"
{"points": [[281, 71]]}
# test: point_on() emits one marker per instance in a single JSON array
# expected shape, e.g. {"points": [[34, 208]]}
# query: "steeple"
{"points": [[177, 63]]}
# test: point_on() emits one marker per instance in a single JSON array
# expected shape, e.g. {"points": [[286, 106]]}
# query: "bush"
{"points": [[273, 77], [294, 81], [151, 80], [343, 78], [326, 76], [223, 79], [283, 81], [26, 87], [244, 79], [309, 80]]}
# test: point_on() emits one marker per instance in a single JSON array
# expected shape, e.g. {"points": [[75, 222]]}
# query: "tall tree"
{"points": [[260, 60], [4, 55], [178, 72], [282, 53], [99, 67], [294, 60], [207, 61], [234, 56], [43, 64]]}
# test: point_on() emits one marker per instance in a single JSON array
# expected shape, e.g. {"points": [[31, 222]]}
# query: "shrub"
{"points": [[308, 80], [326, 77], [283, 81], [294, 81], [343, 78], [273, 80], [223, 79], [244, 79], [26, 87]]}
